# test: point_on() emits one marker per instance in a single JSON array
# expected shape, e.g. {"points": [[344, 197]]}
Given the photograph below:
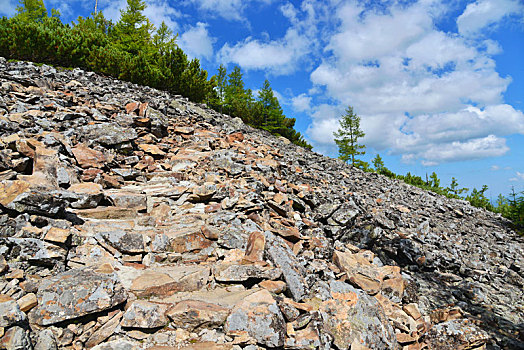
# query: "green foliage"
{"points": [[478, 199], [263, 112], [31, 10], [347, 137]]}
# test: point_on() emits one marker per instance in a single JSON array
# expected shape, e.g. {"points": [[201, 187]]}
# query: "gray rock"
{"points": [[260, 316], [76, 293], [351, 316], [108, 134], [38, 251], [280, 254], [10, 313], [46, 340], [125, 242], [144, 314], [16, 338]]}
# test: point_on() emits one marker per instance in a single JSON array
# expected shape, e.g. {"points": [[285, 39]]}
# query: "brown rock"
{"points": [[276, 287], [194, 315], [27, 302], [57, 235], [255, 247], [105, 331], [237, 136], [151, 149], [131, 107], [145, 314], [90, 158]]}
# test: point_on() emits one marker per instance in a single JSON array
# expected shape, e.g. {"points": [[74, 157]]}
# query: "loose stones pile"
{"points": [[134, 219]]}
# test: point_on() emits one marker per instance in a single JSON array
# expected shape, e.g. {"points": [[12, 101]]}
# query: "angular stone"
{"points": [[76, 293], [46, 340], [284, 258], [38, 251], [89, 158], [360, 271], [16, 338], [165, 280], [188, 240], [260, 317], [57, 235], [19, 196], [241, 273], [105, 331], [276, 287], [145, 314], [119, 344], [108, 134], [151, 149], [255, 247], [351, 315], [90, 194], [10, 313], [456, 334], [125, 199], [125, 242], [27, 302], [194, 315]]}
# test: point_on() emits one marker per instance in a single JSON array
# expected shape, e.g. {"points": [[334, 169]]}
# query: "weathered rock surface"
{"points": [[76, 293], [133, 219]]}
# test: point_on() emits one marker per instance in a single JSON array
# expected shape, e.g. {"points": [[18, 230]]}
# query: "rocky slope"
{"points": [[132, 219]]}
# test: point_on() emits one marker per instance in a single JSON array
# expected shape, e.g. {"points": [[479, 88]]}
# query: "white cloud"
{"points": [[227, 9], [196, 42], [279, 56], [301, 103], [7, 7], [494, 168], [483, 13], [422, 93], [283, 55], [518, 177]]}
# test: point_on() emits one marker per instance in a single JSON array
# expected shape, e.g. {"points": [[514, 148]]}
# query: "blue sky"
{"points": [[439, 85]]}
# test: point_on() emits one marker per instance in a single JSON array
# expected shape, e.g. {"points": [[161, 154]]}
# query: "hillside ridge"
{"points": [[131, 218]]}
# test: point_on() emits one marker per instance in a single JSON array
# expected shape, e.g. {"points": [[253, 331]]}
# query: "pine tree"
{"points": [[378, 163], [133, 31], [272, 118], [31, 10], [347, 137]]}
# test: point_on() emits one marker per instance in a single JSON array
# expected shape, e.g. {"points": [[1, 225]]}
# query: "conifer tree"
{"points": [[133, 31], [347, 137], [31, 10], [272, 118]]}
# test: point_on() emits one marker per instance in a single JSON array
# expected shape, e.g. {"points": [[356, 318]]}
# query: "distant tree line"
{"points": [[347, 139], [132, 49]]}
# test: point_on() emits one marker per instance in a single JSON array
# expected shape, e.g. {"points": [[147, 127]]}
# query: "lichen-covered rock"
{"points": [[353, 316], [76, 293], [260, 316], [285, 259], [456, 334], [10, 313], [145, 314], [195, 315]]}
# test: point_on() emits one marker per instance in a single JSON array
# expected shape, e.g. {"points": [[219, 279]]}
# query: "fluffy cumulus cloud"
{"points": [[196, 42], [283, 55], [422, 93], [483, 13], [227, 9]]}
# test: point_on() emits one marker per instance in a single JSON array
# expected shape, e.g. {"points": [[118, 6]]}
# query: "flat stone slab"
{"points": [[76, 293]]}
